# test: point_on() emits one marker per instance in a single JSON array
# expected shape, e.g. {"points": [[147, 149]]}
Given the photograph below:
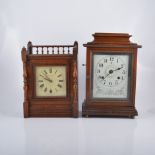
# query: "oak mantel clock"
{"points": [[50, 80], [111, 62]]}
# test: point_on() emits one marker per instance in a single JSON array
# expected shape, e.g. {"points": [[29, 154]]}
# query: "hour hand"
{"points": [[103, 77], [46, 78], [45, 75]]}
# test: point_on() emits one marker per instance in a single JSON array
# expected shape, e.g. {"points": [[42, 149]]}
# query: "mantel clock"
{"points": [[111, 62], [50, 80]]}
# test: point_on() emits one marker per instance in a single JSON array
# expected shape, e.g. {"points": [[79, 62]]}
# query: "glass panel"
{"points": [[50, 81], [110, 76]]}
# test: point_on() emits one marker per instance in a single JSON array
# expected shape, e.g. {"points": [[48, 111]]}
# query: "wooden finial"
{"points": [[29, 47], [75, 48]]}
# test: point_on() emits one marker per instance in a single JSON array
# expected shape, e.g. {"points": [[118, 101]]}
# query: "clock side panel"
{"points": [[134, 76]]}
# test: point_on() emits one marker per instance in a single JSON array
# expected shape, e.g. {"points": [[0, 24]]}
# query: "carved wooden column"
{"points": [[75, 80], [25, 76]]}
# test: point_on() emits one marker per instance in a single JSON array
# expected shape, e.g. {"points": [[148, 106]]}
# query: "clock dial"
{"points": [[110, 76], [51, 81]]}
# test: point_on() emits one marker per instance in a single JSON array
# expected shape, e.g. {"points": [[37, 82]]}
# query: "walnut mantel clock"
{"points": [[50, 80], [111, 62]]}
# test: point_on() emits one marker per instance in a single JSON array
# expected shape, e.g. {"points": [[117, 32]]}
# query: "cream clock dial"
{"points": [[50, 81], [110, 76]]}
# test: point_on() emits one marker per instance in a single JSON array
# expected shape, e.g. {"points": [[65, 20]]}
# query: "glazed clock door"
{"points": [[51, 81], [111, 76]]}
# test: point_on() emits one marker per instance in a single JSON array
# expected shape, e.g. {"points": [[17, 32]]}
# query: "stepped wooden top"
{"points": [[111, 39]]}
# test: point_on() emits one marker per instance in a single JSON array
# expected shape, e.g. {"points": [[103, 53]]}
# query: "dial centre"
{"points": [[111, 71]]}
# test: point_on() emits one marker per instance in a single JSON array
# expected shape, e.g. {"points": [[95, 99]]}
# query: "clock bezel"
{"points": [[129, 74], [50, 65], [33, 80], [102, 102]]}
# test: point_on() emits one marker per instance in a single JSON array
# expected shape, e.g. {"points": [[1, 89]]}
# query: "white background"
{"points": [[63, 22]]}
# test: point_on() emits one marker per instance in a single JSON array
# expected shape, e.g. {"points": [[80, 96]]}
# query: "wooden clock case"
{"points": [[43, 55], [107, 43]]}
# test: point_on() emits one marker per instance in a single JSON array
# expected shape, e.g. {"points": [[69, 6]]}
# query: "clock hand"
{"points": [[46, 78], [118, 69], [106, 76], [46, 75], [103, 78], [110, 72]]}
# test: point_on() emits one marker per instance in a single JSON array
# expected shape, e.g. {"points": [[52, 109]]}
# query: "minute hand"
{"points": [[46, 76], [106, 76], [111, 71], [117, 69]]}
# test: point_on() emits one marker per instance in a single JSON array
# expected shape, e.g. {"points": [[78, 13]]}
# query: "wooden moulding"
{"points": [[111, 40]]}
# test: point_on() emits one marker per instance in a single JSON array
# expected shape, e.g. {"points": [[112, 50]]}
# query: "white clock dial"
{"points": [[51, 81], [110, 76]]}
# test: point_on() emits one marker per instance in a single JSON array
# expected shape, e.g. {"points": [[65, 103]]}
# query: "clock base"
{"points": [[106, 111]]}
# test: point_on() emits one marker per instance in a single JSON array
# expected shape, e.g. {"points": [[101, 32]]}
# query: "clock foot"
{"points": [[26, 109], [132, 117]]}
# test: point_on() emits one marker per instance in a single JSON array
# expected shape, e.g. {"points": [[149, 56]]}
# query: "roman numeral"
{"points": [[98, 71], [123, 72], [122, 65], [59, 85], [50, 70], [50, 90], [110, 83], [116, 82], [45, 71], [45, 89], [42, 85], [111, 58], [40, 80], [105, 60], [100, 65], [61, 80], [59, 75]]}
